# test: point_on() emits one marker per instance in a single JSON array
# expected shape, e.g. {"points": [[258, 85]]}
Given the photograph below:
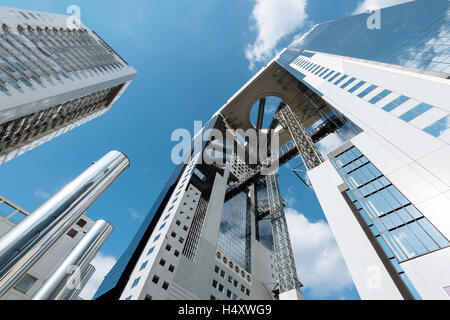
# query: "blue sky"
{"points": [[191, 57]]}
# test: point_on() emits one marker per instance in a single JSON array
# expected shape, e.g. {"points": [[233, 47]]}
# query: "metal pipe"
{"points": [[85, 277], [29, 240], [67, 277]]}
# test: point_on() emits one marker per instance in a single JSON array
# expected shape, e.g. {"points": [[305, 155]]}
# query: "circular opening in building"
{"points": [[219, 255], [225, 260], [270, 108]]}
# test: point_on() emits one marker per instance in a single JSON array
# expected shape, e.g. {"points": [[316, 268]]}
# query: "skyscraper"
{"points": [[364, 106], [54, 77], [200, 239]]}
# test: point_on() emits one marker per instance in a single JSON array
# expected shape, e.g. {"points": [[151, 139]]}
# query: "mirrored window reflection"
{"points": [[233, 229], [440, 128], [414, 34], [416, 112], [402, 231], [408, 233]]}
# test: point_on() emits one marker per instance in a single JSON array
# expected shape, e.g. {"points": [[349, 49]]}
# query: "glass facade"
{"points": [[264, 232], [233, 229], [402, 231], [415, 34]]}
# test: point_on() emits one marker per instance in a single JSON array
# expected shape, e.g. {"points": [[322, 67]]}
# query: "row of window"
{"points": [[163, 263], [232, 281], [233, 266], [168, 248], [402, 231], [438, 129]]}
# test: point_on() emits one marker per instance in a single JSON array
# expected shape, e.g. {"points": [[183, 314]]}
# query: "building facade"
{"points": [[200, 241], [365, 113], [10, 216], [54, 77]]}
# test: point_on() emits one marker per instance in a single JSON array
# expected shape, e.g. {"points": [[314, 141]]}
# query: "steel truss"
{"points": [[284, 257], [305, 145]]}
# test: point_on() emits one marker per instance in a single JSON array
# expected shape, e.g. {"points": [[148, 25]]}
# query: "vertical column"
{"points": [[285, 264]]}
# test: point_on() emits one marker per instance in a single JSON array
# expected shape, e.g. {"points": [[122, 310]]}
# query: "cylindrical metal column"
{"points": [[30, 239], [67, 277], [85, 277]]}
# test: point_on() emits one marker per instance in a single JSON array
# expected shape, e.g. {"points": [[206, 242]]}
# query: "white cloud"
{"points": [[103, 265], [320, 265], [134, 214], [42, 194], [274, 20], [365, 5]]}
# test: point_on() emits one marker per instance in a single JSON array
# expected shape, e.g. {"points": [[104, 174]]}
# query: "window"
{"points": [[228, 293], [167, 217], [72, 233], [415, 112], [212, 298], [155, 279], [147, 297], [221, 288], [168, 247], [340, 80], [25, 284], [215, 284], [402, 231], [235, 283], [395, 104], [178, 222], [157, 237], [173, 234], [230, 279], [162, 227], [334, 77], [128, 298], [348, 82], [216, 269], [81, 223], [165, 285], [326, 70], [242, 288], [181, 240], [440, 128], [247, 292], [144, 265], [171, 268], [162, 262], [136, 282], [367, 91], [329, 74], [185, 228], [176, 253], [357, 86], [151, 251], [222, 273], [380, 96]]}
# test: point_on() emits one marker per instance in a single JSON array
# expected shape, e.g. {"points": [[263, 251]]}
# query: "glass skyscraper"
{"points": [[366, 110]]}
